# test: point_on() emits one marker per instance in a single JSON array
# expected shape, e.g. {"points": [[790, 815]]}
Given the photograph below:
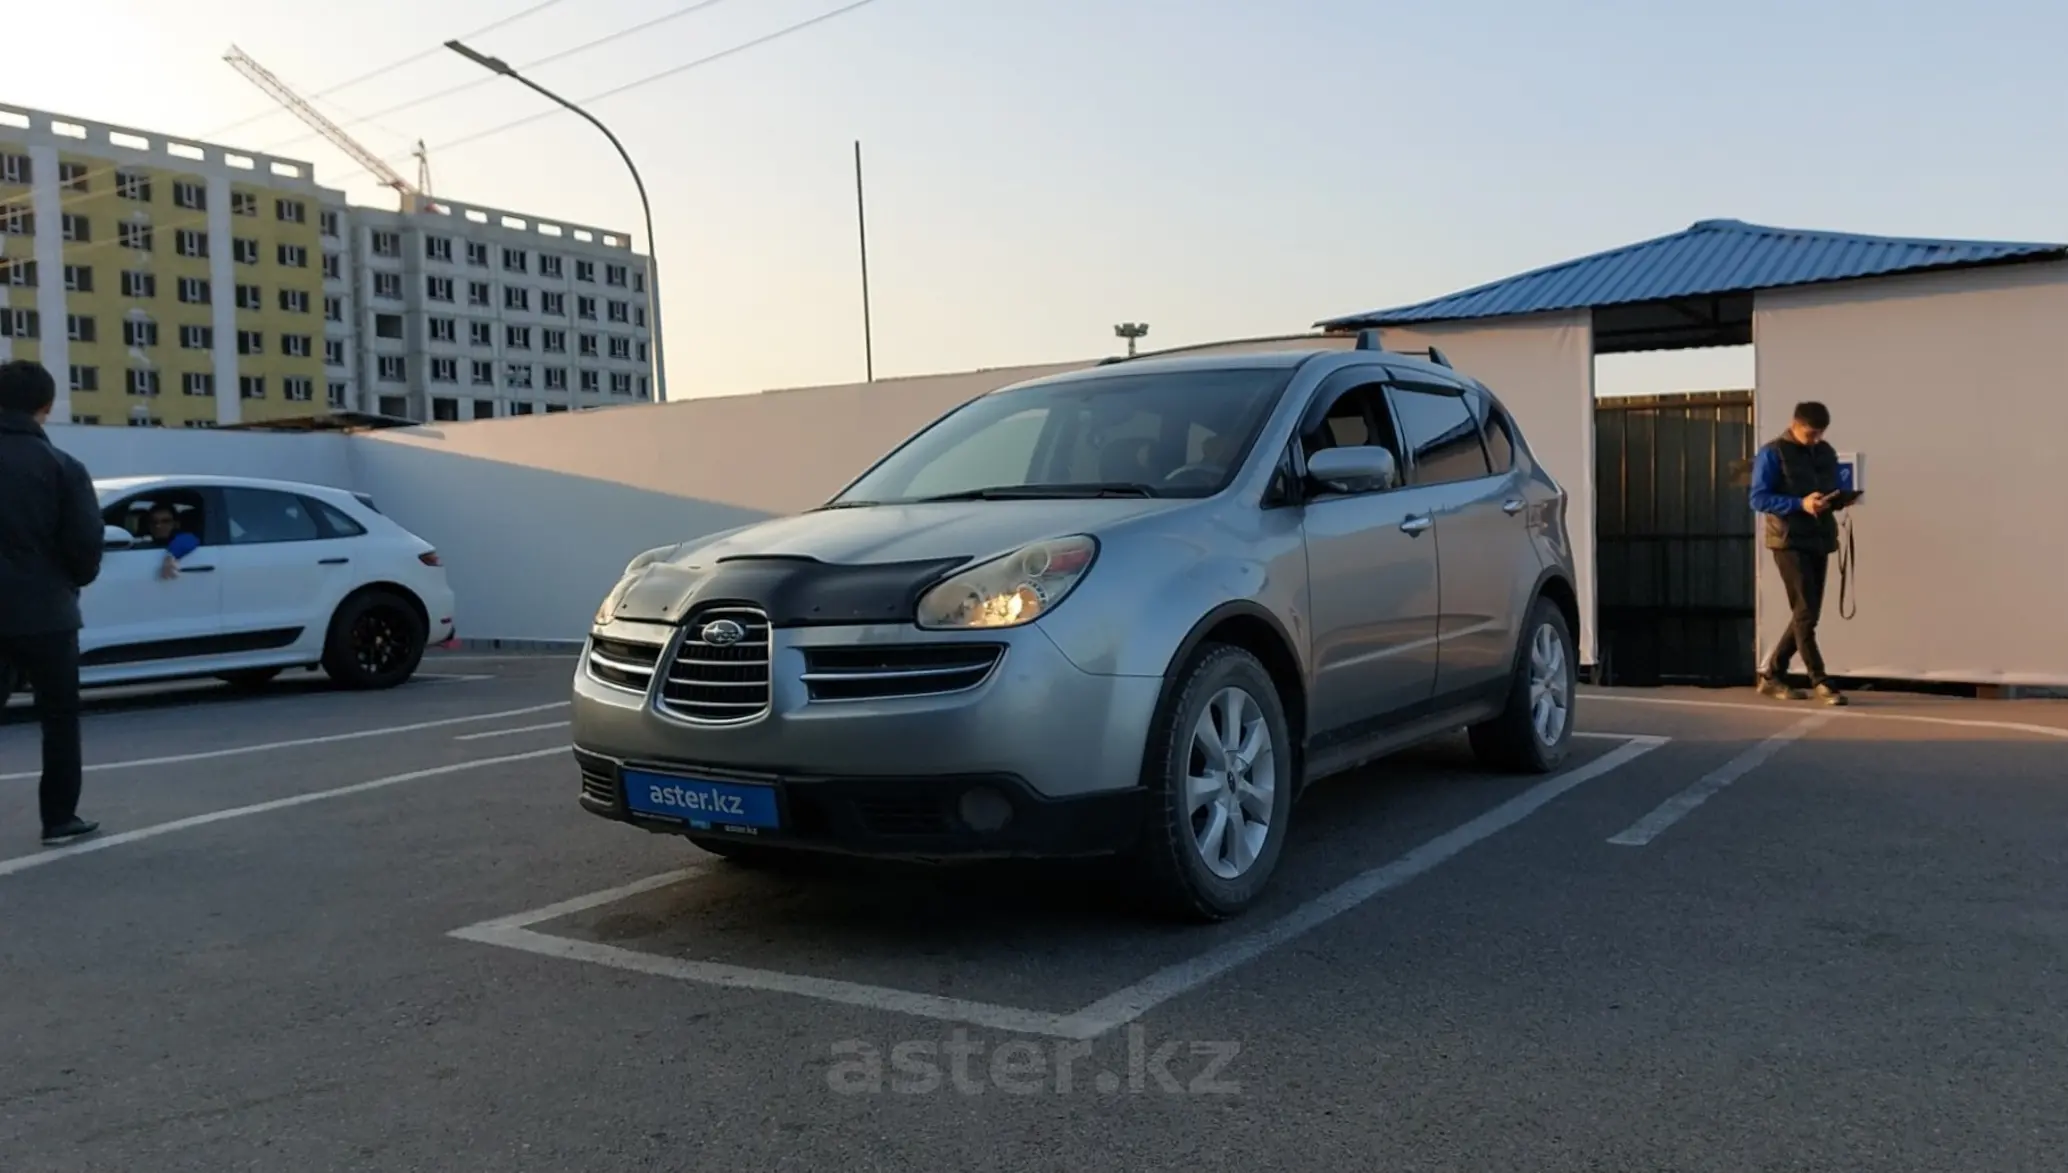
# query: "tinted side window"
{"points": [[1358, 417], [1443, 435], [262, 515], [1500, 445], [334, 519]]}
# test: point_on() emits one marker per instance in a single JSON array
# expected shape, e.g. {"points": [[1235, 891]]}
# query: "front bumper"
{"points": [[1057, 751]]}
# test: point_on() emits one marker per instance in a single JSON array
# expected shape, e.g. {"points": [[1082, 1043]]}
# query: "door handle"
{"points": [[332, 561], [1512, 506], [196, 569], [1415, 525]]}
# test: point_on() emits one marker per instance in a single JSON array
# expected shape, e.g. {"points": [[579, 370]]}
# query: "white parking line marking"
{"points": [[1108, 1013], [451, 678], [1849, 714], [1676, 808], [518, 729], [23, 863], [298, 742]]}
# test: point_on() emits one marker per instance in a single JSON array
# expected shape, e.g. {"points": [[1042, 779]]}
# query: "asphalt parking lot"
{"points": [[337, 932]]}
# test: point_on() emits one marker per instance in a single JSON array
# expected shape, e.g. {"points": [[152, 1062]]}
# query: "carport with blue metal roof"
{"points": [[1921, 347]]}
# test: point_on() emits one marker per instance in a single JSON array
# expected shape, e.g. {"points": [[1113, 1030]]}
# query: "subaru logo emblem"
{"points": [[720, 632]]}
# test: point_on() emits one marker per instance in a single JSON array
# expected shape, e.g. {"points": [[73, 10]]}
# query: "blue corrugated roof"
{"points": [[1711, 257]]}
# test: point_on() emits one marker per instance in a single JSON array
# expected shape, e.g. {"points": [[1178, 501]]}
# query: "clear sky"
{"points": [[1039, 170]]}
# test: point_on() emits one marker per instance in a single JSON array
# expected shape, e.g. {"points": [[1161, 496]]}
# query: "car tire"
{"points": [[1182, 835], [249, 678], [1533, 734], [376, 641]]}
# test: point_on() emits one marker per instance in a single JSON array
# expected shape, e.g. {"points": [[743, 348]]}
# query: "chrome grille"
{"points": [[622, 664], [719, 682], [896, 670]]}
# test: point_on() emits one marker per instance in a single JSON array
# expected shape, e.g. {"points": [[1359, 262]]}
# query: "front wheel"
{"points": [[1534, 732], [376, 641], [1219, 772]]}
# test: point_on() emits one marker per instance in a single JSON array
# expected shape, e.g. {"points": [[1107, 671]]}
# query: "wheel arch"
{"points": [[385, 586], [1252, 627]]}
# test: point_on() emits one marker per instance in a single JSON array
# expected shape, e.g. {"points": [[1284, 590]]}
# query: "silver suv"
{"points": [[1132, 609]]}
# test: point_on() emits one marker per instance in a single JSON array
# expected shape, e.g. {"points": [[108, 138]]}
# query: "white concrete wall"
{"points": [[107, 451]]}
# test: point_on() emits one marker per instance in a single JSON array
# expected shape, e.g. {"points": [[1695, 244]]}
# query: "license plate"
{"points": [[701, 802]]}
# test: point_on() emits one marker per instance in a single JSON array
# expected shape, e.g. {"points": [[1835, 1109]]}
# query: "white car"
{"points": [[285, 575]]}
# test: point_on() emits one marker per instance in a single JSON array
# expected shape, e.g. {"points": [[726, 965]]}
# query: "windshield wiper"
{"points": [[1039, 492]]}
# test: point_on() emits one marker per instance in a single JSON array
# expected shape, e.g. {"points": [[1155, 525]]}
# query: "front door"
{"points": [[135, 616], [1371, 568]]}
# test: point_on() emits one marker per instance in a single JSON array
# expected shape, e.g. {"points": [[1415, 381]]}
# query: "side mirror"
{"points": [[1363, 469], [114, 537]]}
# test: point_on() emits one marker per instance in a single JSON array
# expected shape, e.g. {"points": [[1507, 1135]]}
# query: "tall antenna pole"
{"points": [[862, 228]]}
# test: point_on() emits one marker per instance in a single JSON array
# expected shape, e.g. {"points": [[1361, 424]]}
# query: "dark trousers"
{"points": [[1802, 574], [49, 662]]}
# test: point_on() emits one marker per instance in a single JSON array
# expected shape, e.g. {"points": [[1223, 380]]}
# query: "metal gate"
{"points": [[1675, 539]]}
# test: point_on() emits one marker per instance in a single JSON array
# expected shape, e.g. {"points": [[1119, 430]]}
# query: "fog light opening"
{"points": [[984, 809]]}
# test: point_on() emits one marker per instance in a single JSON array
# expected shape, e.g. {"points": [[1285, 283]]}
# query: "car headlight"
{"points": [[629, 579], [1007, 592]]}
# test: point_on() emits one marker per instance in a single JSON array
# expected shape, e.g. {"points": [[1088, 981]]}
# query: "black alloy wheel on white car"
{"points": [[1533, 734], [376, 641], [1219, 774]]}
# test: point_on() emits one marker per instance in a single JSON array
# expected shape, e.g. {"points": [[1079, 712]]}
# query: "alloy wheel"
{"points": [[1549, 685], [1231, 778]]}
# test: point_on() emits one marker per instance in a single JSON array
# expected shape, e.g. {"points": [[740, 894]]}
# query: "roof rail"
{"points": [[1368, 339], [1310, 337]]}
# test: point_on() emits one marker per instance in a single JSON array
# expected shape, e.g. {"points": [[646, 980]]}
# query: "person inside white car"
{"points": [[166, 533]]}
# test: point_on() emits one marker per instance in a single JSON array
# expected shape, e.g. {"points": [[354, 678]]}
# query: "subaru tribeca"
{"points": [[1132, 609]]}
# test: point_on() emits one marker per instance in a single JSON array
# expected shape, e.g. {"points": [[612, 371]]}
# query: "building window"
{"points": [[195, 425], [517, 337], [143, 384], [17, 220], [484, 409], [18, 274], [333, 309], [73, 176], [327, 224], [334, 352], [17, 169], [642, 352], [387, 244], [438, 288], [553, 305], [333, 267], [86, 420], [639, 281], [516, 260], [75, 229], [445, 410], [194, 291], [516, 297], [477, 253], [620, 312], [136, 283], [483, 374], [639, 316], [133, 185], [620, 383], [585, 271], [78, 278], [86, 378], [438, 248], [519, 376], [614, 275], [556, 378], [139, 334], [387, 326], [394, 407], [553, 341], [444, 330], [198, 384], [294, 256], [291, 212], [645, 392], [80, 328], [480, 334], [591, 382], [520, 409], [251, 297], [146, 421], [392, 369], [297, 345], [20, 324], [621, 349], [445, 370], [189, 243], [337, 394], [136, 236], [585, 308], [294, 301], [244, 252], [388, 286], [197, 338], [588, 347], [251, 386], [251, 342], [243, 203], [549, 265], [190, 195], [297, 389], [477, 293]]}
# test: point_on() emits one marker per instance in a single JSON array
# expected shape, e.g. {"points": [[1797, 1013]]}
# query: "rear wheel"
{"points": [[1219, 773], [1534, 732], [376, 640]]}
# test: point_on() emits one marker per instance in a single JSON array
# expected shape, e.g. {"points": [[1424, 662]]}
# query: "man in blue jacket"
{"points": [[1794, 489], [50, 550]]}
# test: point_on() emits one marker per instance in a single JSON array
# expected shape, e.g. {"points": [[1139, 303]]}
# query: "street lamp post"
{"points": [[1131, 331], [653, 263]]}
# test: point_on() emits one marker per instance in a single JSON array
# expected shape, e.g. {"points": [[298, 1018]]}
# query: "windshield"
{"points": [[1168, 434]]}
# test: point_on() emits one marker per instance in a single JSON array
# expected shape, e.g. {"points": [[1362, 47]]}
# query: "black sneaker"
{"points": [[69, 831], [1828, 695], [1779, 690]]}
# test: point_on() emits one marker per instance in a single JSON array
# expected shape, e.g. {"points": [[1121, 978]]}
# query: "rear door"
{"points": [[282, 572]]}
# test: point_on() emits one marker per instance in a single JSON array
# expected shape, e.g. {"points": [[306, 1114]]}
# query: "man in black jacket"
{"points": [[1794, 488], [50, 549]]}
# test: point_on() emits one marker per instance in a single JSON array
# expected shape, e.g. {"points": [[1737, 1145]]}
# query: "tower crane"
{"points": [[413, 196]]}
